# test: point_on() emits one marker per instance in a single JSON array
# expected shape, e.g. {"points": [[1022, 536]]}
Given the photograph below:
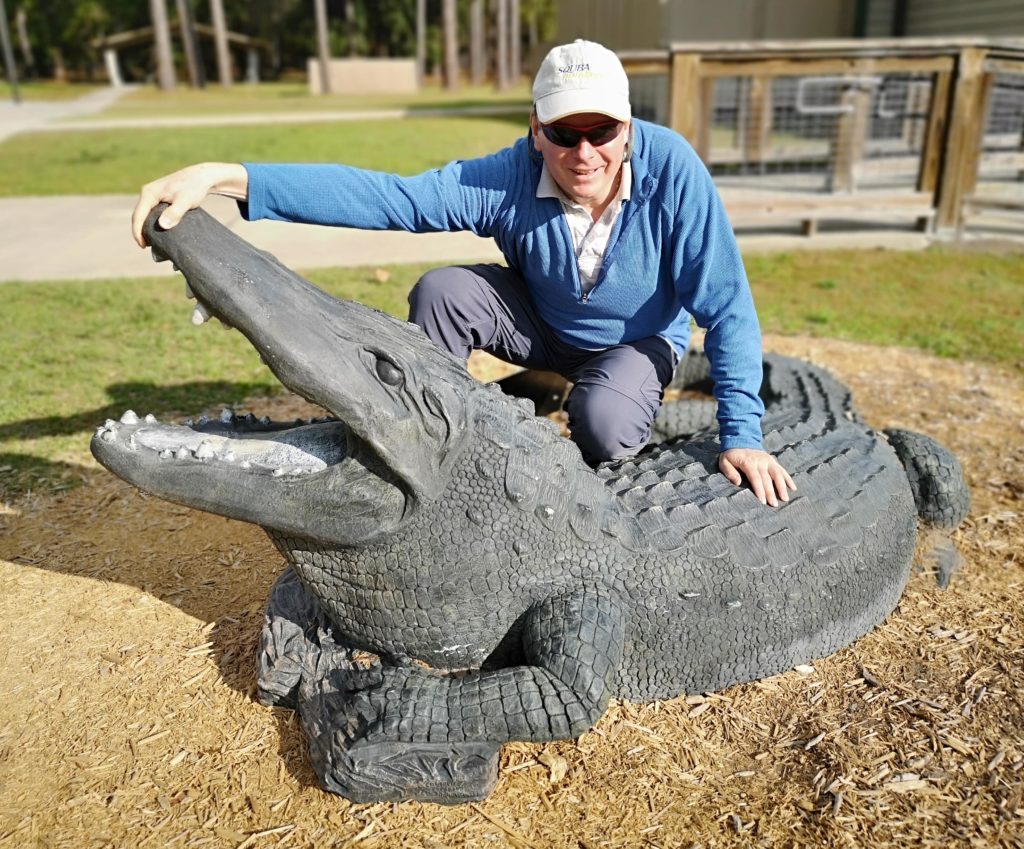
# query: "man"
{"points": [[613, 235]]}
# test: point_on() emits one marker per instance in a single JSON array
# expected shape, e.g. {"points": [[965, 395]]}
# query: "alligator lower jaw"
{"points": [[310, 478]]}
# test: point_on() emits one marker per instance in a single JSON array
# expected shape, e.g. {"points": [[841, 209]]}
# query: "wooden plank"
{"points": [[981, 202], [810, 204], [965, 122], [684, 95], [646, 67], [857, 46], [795, 66], [1004, 66], [935, 133]]}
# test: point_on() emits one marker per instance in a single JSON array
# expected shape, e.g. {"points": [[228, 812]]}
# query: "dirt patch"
{"points": [[128, 627]]}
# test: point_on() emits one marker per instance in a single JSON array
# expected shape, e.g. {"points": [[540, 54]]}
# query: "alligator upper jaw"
{"points": [[404, 398], [311, 479]]}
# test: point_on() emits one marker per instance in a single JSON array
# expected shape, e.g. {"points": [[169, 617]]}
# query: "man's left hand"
{"points": [[769, 481]]}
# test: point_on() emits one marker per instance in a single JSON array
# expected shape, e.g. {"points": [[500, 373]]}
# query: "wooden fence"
{"points": [[867, 130]]}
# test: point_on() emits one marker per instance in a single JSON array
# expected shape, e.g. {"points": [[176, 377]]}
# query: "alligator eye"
{"points": [[387, 372]]}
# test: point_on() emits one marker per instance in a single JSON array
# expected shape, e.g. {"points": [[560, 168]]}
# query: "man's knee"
{"points": [[431, 291], [607, 425]]}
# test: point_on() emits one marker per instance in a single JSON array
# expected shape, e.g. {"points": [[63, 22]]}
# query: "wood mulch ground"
{"points": [[128, 627]]}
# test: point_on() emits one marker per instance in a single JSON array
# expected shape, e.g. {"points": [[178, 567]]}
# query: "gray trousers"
{"points": [[617, 391]]}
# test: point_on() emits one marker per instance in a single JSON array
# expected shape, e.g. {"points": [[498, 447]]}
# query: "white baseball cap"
{"points": [[580, 77]]}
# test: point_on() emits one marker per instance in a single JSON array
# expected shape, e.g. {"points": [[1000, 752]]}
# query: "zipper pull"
{"points": [[585, 296]]}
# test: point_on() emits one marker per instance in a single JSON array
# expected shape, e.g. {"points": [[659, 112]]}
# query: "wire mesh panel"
{"points": [[825, 133], [1000, 181]]}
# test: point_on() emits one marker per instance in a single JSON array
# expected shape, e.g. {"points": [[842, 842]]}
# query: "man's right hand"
{"points": [[187, 189]]}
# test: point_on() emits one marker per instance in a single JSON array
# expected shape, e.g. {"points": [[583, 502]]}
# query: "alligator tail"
{"points": [[936, 478]]}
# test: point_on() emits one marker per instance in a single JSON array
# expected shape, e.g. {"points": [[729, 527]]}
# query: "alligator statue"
{"points": [[459, 577]]}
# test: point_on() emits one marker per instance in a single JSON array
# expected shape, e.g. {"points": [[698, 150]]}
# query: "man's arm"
{"points": [[187, 189]]}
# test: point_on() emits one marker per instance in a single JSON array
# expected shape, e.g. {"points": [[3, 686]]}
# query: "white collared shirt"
{"points": [[589, 237]]}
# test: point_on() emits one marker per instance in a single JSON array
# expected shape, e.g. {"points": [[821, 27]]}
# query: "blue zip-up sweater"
{"points": [[671, 255]]}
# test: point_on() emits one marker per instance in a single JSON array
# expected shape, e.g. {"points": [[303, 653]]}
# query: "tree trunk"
{"points": [[351, 28], [515, 44], [323, 46], [162, 44], [220, 38], [501, 37], [196, 75], [451, 45], [421, 40], [8, 55], [477, 56], [21, 25]]}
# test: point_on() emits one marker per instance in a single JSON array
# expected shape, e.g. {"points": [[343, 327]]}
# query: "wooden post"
{"points": [[477, 62], [851, 134], [323, 45], [965, 122], [450, 37], [684, 95], [162, 42], [220, 38], [501, 79], [934, 139], [187, 25], [758, 114], [421, 41], [973, 160], [707, 118], [5, 44]]}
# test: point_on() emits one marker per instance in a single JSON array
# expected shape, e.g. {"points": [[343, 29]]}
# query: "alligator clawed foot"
{"points": [[340, 700]]}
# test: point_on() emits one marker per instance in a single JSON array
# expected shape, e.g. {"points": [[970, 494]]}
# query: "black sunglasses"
{"points": [[596, 134]]}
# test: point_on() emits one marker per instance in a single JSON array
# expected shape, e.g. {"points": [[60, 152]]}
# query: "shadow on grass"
{"points": [[185, 399], [22, 471]]}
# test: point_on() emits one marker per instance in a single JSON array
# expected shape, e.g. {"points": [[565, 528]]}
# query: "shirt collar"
{"points": [[548, 188]]}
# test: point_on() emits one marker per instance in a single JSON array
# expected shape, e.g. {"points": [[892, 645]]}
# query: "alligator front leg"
{"points": [[420, 735]]}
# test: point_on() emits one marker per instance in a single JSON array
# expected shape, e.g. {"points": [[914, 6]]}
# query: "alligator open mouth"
{"points": [[398, 404]]}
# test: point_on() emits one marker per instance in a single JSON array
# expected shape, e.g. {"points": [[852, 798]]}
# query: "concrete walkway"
{"points": [[88, 237], [34, 115]]}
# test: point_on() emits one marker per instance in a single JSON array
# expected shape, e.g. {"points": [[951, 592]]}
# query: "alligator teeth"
{"points": [[278, 473], [265, 420], [249, 418], [133, 445], [228, 456], [166, 454], [150, 419], [110, 423], [129, 418], [182, 453], [200, 315], [227, 415], [205, 450], [246, 464], [203, 421]]}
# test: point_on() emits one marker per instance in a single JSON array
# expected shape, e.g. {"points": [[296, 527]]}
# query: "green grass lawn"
{"points": [[41, 90], [118, 161], [76, 353], [150, 102]]}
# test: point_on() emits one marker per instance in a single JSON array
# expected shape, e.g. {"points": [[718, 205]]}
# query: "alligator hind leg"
{"points": [[301, 666]]}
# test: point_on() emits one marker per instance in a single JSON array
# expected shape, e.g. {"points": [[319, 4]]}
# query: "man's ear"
{"points": [[627, 151]]}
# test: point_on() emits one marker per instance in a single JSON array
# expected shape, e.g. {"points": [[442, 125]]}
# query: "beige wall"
{"points": [[648, 24], [366, 76]]}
